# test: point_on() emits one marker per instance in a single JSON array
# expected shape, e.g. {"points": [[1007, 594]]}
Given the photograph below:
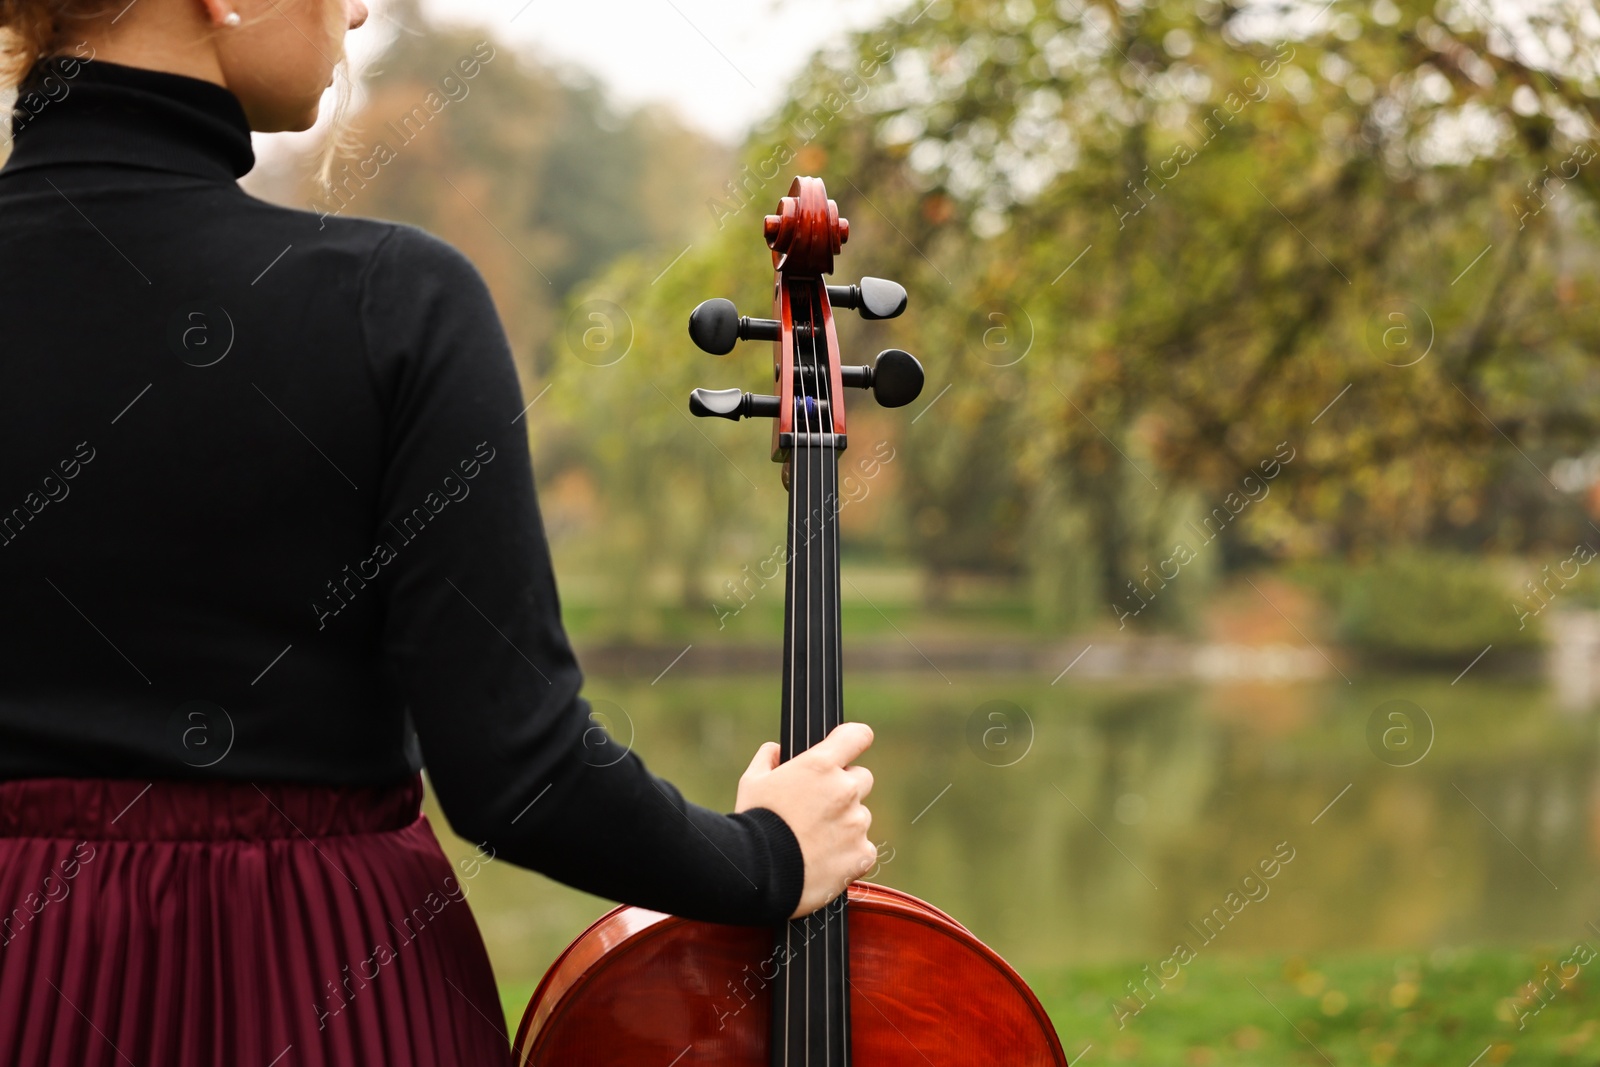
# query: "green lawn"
{"points": [[1441, 1010], [878, 600]]}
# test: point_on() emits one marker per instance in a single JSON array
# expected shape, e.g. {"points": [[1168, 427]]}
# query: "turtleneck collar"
{"points": [[72, 110]]}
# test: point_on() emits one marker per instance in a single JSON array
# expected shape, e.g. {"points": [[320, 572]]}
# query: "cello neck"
{"points": [[810, 1008], [813, 694], [811, 987]]}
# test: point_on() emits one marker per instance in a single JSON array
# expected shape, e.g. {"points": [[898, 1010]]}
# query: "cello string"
{"points": [[816, 669], [831, 576], [816, 665], [793, 607], [825, 387], [801, 454], [821, 356], [813, 434], [827, 355], [802, 448], [836, 406], [818, 474]]}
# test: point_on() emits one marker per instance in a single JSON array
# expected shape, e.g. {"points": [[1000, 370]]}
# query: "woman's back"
{"points": [[302, 534], [271, 542], [193, 416]]}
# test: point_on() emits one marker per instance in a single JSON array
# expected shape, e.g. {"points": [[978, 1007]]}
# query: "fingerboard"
{"points": [[811, 1003]]}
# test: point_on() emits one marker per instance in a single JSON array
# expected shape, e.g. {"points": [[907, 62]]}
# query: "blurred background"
{"points": [[1248, 513]]}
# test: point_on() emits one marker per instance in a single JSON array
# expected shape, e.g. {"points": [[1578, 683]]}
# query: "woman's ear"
{"points": [[217, 12]]}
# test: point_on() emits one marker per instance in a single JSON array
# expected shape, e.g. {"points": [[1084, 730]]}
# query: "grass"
{"points": [[876, 600], [1455, 1008]]}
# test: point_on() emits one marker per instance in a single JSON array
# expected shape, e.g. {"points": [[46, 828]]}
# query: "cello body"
{"points": [[877, 977], [640, 987]]}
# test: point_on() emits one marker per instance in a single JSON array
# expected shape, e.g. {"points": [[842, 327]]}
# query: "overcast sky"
{"points": [[722, 63], [725, 63]]}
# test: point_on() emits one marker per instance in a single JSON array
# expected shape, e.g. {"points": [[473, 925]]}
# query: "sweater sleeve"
{"points": [[473, 639]]}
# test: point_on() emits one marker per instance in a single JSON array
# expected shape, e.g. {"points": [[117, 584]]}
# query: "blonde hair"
{"points": [[31, 30], [342, 138]]}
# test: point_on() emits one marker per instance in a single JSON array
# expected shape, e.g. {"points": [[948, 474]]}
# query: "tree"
{"points": [[1170, 260], [1213, 222]]}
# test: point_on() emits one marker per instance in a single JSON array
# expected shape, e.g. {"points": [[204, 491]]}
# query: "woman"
{"points": [[271, 544]]}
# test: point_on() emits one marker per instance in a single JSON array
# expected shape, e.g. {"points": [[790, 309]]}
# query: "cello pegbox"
{"points": [[807, 231]]}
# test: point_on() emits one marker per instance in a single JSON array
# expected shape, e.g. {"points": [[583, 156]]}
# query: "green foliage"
{"points": [[1451, 1006], [1430, 604], [682, 494], [525, 167], [1147, 246]]}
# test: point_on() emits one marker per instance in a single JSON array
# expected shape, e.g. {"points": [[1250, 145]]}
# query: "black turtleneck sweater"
{"points": [[267, 510]]}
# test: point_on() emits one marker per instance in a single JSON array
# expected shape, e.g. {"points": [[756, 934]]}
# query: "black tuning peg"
{"points": [[732, 403], [895, 378], [875, 298], [716, 326]]}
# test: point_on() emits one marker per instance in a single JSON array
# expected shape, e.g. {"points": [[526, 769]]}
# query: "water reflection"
{"points": [[1136, 813]]}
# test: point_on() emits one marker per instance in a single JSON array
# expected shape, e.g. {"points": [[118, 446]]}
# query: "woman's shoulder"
{"points": [[387, 248]]}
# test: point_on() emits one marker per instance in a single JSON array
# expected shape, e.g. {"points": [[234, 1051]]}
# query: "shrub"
{"points": [[1431, 605]]}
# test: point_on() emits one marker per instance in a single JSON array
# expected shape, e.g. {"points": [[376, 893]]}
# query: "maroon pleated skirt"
{"points": [[208, 924]]}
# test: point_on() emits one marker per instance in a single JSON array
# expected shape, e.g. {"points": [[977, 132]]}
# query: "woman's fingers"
{"points": [[843, 745], [819, 795], [862, 778], [765, 760]]}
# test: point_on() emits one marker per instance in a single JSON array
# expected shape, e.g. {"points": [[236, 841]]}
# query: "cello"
{"points": [[876, 978]]}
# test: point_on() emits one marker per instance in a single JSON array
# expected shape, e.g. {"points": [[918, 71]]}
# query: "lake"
{"points": [[1077, 824]]}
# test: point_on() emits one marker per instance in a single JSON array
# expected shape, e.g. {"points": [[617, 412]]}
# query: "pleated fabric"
{"points": [[182, 924]]}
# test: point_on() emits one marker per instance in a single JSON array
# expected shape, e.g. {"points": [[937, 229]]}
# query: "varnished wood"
{"points": [[783, 368], [640, 987]]}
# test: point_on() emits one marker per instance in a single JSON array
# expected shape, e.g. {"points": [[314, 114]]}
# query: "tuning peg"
{"points": [[732, 404], [875, 298], [716, 325], [895, 378]]}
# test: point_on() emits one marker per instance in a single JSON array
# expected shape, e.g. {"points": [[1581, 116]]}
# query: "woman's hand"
{"points": [[819, 795]]}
